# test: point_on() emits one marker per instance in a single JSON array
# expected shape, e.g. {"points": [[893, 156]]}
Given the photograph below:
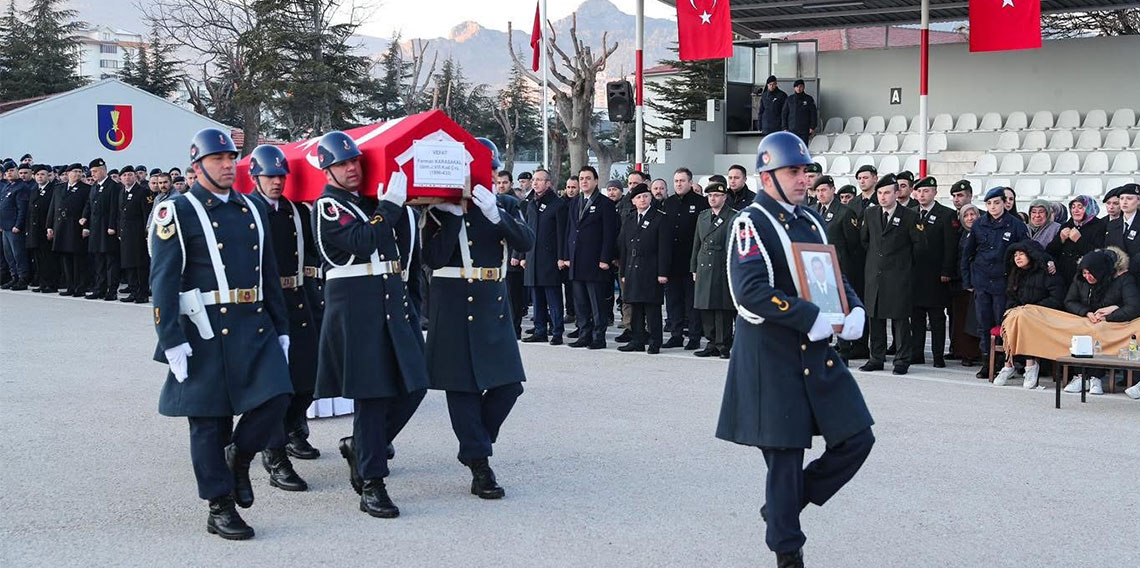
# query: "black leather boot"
{"points": [[281, 472], [483, 483], [225, 521], [300, 448], [391, 452], [238, 462], [348, 451], [374, 500], [790, 560]]}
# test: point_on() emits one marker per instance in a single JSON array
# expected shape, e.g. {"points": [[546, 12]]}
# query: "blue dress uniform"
{"points": [[774, 399], [983, 268], [471, 345]]}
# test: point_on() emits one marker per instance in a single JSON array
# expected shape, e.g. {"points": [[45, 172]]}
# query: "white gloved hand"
{"points": [[177, 356], [397, 190], [487, 203], [821, 329], [283, 341], [452, 208], [853, 325]]}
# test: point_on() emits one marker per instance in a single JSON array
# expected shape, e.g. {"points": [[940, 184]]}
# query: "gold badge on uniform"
{"points": [[921, 227], [165, 231], [156, 318], [376, 219], [781, 305]]}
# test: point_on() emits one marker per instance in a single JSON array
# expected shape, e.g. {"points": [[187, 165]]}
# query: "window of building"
{"points": [[108, 64], [108, 48]]}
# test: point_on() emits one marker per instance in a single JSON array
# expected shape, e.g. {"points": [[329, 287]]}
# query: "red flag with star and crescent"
{"points": [[704, 29], [999, 25]]}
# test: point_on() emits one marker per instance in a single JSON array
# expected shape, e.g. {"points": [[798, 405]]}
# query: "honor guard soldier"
{"points": [[371, 347], [101, 218], [785, 382], [471, 349], [682, 210], [645, 250], [47, 266], [933, 271], [66, 233], [291, 232], [709, 265], [135, 203], [1123, 232], [222, 328]]}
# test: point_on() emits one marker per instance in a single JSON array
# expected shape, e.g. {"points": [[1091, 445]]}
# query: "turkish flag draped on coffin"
{"points": [[999, 25], [386, 147], [704, 29]]}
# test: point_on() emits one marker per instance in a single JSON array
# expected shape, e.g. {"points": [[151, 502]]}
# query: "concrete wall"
{"points": [[64, 129], [1065, 74]]}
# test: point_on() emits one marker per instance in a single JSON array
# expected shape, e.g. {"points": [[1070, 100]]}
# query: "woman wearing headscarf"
{"points": [[965, 320], [1060, 212], [1029, 283], [1011, 205], [1101, 293], [1079, 235], [1042, 228]]}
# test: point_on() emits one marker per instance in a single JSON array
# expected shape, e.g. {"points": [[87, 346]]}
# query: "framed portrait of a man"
{"points": [[821, 281]]}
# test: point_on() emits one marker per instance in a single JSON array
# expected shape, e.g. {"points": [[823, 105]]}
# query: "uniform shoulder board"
{"points": [[164, 213]]}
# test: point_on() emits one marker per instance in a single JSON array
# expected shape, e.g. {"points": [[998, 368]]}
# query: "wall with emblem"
{"points": [[107, 119]]}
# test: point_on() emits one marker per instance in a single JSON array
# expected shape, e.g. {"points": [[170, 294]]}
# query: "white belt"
{"points": [[474, 273], [232, 296], [377, 268]]}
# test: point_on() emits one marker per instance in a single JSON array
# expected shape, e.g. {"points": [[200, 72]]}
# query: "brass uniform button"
{"points": [[803, 347], [244, 210], [225, 331], [830, 363], [807, 372], [470, 299], [219, 246], [304, 324], [470, 318], [252, 226], [223, 310], [215, 223], [300, 306], [254, 247], [259, 310], [260, 330]]}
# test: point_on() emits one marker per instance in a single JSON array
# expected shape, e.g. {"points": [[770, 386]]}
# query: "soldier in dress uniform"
{"points": [[471, 349], [39, 201], [222, 327], [709, 265], [14, 196], [66, 233], [291, 232], [113, 174], [371, 347], [933, 271], [843, 232], [591, 238], [101, 218], [682, 210], [135, 202], [645, 247], [785, 383], [814, 171], [867, 177], [1123, 232], [545, 216], [516, 291], [846, 194]]}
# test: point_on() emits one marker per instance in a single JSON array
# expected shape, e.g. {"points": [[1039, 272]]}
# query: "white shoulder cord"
{"points": [[375, 258], [743, 234], [406, 273], [177, 229]]}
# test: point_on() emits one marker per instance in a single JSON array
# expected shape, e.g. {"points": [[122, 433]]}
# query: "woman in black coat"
{"points": [[1083, 232], [1102, 293], [1029, 283]]}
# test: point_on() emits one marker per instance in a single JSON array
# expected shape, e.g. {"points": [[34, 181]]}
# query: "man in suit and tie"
{"points": [[824, 292], [591, 236]]}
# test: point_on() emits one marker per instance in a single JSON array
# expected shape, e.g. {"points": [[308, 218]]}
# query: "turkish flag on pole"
{"points": [[536, 39], [704, 29], [999, 25]]}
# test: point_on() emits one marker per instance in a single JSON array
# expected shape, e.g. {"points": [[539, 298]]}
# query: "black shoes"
{"points": [[534, 339], [111, 297], [630, 347], [281, 472], [483, 483], [573, 334], [790, 560], [675, 341], [225, 521], [127, 299], [871, 366], [984, 373], [20, 285], [597, 345], [238, 463], [653, 349], [348, 451], [624, 337], [300, 448], [556, 340], [707, 352], [693, 345], [900, 369], [94, 296], [374, 500], [391, 452], [725, 355], [939, 363], [581, 342]]}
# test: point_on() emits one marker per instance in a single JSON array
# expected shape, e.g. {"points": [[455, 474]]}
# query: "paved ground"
{"points": [[608, 460]]}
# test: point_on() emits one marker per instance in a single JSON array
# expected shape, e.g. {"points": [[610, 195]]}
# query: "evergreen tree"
{"points": [[17, 77], [52, 35], [142, 68], [164, 71], [128, 73], [685, 95], [468, 105], [385, 102]]}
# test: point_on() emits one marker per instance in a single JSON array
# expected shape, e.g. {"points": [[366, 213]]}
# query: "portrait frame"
{"points": [[804, 254]]}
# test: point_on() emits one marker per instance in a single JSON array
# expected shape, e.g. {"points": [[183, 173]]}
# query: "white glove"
{"points": [[452, 208], [487, 203], [177, 356], [283, 341], [397, 190], [821, 329], [853, 325]]}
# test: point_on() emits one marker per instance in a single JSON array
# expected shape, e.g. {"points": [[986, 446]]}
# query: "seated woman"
{"points": [[1042, 227], [1029, 283], [1102, 292]]}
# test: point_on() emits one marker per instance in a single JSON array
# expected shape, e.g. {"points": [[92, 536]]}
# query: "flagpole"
{"points": [[923, 73], [639, 46], [545, 96]]}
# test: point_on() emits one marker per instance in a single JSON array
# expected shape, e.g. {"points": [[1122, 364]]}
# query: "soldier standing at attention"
{"points": [[709, 265], [785, 382], [222, 328], [101, 217]]}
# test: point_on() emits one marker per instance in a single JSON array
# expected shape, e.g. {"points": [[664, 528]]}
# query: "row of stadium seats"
{"points": [[1061, 189], [866, 143], [1061, 140], [1067, 163], [990, 122]]}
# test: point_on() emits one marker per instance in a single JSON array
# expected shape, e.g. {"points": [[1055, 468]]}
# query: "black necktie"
{"points": [[640, 218], [925, 213]]}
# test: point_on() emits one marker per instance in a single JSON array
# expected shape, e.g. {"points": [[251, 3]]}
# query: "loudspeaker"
{"points": [[619, 97]]}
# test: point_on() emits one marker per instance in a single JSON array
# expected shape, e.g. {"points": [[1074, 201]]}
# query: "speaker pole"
{"points": [[545, 95], [639, 46]]}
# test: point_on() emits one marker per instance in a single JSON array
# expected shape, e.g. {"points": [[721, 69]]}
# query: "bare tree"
{"points": [[608, 154], [1080, 24], [575, 104], [508, 120], [413, 89]]}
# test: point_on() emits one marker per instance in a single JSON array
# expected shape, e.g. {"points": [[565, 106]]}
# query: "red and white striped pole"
{"points": [[923, 73], [639, 117]]}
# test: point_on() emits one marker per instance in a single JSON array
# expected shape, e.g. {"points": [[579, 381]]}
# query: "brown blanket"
{"points": [[1034, 331]]}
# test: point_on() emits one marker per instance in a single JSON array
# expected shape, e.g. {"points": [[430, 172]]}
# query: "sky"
{"points": [[435, 18]]}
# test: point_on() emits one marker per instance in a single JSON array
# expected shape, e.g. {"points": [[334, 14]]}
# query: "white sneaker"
{"points": [[1133, 391], [1031, 373], [1074, 385], [1003, 376], [1095, 387]]}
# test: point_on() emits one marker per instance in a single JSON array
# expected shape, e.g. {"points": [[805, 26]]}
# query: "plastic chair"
{"points": [[1089, 140], [1057, 187], [1068, 120], [842, 143], [1011, 164], [1096, 118], [1007, 142], [822, 161], [840, 166], [911, 164], [1123, 118], [987, 164], [997, 182], [890, 165], [864, 143], [1016, 121], [1042, 120], [1034, 140], [937, 142], [864, 160], [888, 143], [942, 123], [915, 124], [1117, 139], [897, 124], [1092, 187], [967, 122], [990, 121], [818, 145], [1095, 163], [1039, 163], [875, 125], [1027, 187], [1067, 163], [1061, 140], [911, 143], [1116, 182], [854, 125], [1124, 163], [841, 181], [834, 125]]}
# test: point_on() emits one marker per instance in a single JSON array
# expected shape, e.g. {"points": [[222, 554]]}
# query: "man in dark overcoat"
{"points": [[101, 218], [645, 245], [933, 271], [545, 216], [65, 232], [709, 266], [45, 261], [682, 209], [135, 201]]}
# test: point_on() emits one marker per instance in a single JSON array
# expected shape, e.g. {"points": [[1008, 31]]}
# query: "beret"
{"points": [[886, 180]]}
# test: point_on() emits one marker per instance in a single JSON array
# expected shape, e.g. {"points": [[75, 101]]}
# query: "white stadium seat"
{"points": [[1039, 163], [1016, 121], [822, 161], [1057, 187], [1117, 139], [1124, 163], [911, 143], [1034, 140], [897, 124], [1096, 118], [842, 143], [1008, 142], [996, 182], [834, 125], [888, 143], [864, 143], [1116, 182], [976, 182], [942, 123], [1061, 140], [967, 122], [990, 121], [1136, 142], [1011, 164], [864, 161], [818, 145], [911, 164], [987, 164], [1027, 187], [854, 125], [840, 166], [1095, 163], [1092, 187], [1123, 118], [842, 181], [889, 165], [875, 125], [1067, 163], [1089, 140], [1068, 120], [915, 124], [1042, 120], [937, 142]]}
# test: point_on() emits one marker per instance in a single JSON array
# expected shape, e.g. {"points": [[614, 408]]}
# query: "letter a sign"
{"points": [[116, 126], [896, 95]]}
